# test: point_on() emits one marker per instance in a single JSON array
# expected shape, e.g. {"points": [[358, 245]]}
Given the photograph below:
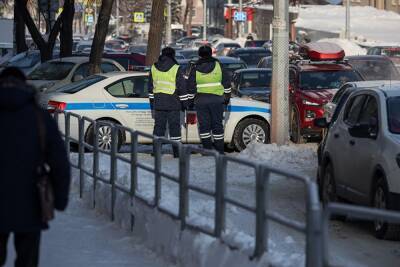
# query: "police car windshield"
{"points": [[75, 87], [258, 79], [52, 71], [394, 114], [319, 80]]}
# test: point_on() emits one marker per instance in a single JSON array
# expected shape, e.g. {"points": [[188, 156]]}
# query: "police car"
{"points": [[122, 98]]}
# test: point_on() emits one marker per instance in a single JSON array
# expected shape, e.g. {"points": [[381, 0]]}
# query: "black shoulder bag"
{"points": [[44, 185]]}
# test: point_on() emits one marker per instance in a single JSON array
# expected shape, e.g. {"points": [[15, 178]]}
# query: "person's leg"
{"points": [[27, 248], [204, 119], [174, 123], [160, 124], [3, 247], [217, 126]]}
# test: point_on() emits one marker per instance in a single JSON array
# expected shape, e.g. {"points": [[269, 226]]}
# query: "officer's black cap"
{"points": [[168, 52], [205, 51]]}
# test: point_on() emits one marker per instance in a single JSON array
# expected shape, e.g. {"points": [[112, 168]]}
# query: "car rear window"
{"points": [[252, 59], [49, 71], [256, 79], [75, 87], [376, 69], [318, 80], [394, 114]]}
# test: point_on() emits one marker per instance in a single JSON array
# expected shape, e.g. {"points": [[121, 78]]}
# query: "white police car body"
{"points": [[122, 98]]}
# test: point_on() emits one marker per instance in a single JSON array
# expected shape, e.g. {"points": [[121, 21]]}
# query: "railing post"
{"points": [[261, 226], [81, 156], [157, 167], [314, 228], [134, 171], [113, 168], [220, 192], [184, 164], [67, 129], [325, 236], [95, 160]]}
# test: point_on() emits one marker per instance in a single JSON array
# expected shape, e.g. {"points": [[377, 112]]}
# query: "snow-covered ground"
{"points": [[81, 238], [352, 243], [368, 25]]}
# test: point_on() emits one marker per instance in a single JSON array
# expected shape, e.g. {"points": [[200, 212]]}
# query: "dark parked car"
{"points": [[265, 62], [252, 83], [374, 67], [128, 61], [189, 53], [251, 56], [256, 43]]}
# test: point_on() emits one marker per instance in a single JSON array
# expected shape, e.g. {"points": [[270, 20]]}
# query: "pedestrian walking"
{"points": [[209, 90], [32, 141], [168, 96]]}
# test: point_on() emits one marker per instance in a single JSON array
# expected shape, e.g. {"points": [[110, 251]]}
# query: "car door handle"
{"points": [[336, 135], [352, 142], [122, 106]]}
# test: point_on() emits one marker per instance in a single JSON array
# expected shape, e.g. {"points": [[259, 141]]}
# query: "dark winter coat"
{"points": [[178, 100], [19, 158], [207, 65]]}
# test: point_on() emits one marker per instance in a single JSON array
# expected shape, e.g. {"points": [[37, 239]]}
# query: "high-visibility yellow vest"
{"points": [[210, 83], [164, 82]]}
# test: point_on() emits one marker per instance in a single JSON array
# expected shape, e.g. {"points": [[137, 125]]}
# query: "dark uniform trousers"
{"points": [[26, 247], [211, 128], [173, 119]]}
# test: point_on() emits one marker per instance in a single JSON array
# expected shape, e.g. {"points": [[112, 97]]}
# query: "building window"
{"points": [[194, 12]]}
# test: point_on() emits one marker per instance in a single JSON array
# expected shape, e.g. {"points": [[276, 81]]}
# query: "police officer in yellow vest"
{"points": [[167, 95], [209, 90]]}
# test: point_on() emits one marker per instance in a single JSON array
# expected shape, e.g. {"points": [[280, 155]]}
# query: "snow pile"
{"points": [[350, 48], [368, 25], [296, 158]]}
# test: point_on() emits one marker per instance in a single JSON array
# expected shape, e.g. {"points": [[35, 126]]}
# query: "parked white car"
{"points": [[122, 98], [53, 74], [359, 158]]}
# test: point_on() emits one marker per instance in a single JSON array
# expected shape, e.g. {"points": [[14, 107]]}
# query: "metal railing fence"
{"points": [[314, 228]]}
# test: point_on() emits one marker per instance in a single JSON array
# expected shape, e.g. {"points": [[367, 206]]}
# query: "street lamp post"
{"points": [[347, 32], [117, 15], [280, 74], [205, 20], [168, 33]]}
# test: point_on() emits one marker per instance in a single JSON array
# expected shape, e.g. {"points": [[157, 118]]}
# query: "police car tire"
{"points": [[90, 133], [237, 136]]}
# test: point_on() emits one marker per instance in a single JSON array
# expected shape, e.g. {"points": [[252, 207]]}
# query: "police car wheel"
{"points": [[104, 136], [251, 130]]}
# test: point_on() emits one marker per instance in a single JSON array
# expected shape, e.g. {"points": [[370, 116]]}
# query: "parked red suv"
{"points": [[314, 77]]}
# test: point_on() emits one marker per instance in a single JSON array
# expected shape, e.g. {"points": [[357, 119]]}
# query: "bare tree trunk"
{"points": [[188, 14], [100, 35], [189, 26], [19, 28], [46, 48], [66, 32], [156, 31]]}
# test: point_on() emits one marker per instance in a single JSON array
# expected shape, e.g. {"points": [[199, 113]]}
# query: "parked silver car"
{"points": [[359, 158], [56, 73]]}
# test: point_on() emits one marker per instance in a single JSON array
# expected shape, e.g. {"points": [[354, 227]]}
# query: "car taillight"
{"points": [[55, 105]]}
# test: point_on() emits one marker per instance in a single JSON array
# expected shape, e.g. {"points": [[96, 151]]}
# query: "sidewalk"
{"points": [[80, 238]]}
